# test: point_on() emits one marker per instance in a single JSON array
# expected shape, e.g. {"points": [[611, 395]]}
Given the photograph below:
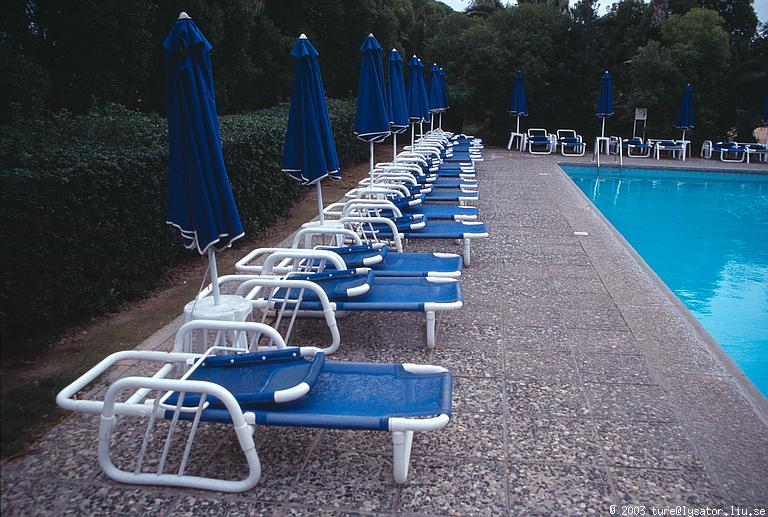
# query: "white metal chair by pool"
{"points": [[570, 143]]}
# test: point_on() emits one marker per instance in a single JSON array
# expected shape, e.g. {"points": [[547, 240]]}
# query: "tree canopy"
{"points": [[61, 54]]}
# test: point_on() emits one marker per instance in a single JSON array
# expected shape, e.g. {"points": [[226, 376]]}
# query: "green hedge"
{"points": [[82, 207]]}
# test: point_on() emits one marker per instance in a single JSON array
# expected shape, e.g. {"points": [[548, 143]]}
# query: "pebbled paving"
{"points": [[580, 385]]}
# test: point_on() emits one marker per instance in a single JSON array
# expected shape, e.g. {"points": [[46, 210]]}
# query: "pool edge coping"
{"points": [[756, 400]]}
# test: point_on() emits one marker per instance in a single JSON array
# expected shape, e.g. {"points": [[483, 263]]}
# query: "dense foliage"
{"points": [[81, 191], [82, 206], [59, 53]]}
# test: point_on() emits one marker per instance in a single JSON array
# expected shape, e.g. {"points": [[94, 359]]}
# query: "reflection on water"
{"points": [[706, 236]]}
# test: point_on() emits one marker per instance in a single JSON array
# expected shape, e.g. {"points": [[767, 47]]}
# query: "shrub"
{"points": [[82, 207]]}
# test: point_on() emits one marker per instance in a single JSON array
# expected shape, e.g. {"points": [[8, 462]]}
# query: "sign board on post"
{"points": [[640, 114]]}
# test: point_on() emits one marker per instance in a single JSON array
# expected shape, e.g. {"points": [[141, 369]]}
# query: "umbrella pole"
{"points": [[602, 131], [431, 122], [518, 125], [440, 120], [394, 147], [371, 162], [413, 131], [214, 276], [320, 202], [421, 128]]}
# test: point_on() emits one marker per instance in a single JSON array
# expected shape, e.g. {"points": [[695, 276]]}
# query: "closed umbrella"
{"points": [[444, 89], [418, 105], [372, 117], [310, 152], [435, 94], [396, 102], [684, 118], [200, 200], [605, 103], [518, 105]]}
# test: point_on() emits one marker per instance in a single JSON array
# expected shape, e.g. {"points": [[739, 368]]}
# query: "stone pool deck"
{"points": [[580, 383]]}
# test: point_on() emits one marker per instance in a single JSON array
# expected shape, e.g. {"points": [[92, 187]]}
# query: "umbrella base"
{"points": [[230, 308]]}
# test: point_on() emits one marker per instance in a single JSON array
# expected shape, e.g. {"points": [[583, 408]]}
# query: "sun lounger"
{"points": [[759, 150], [637, 147], [570, 143], [366, 217], [288, 387], [350, 248], [539, 141], [343, 289], [674, 147]]}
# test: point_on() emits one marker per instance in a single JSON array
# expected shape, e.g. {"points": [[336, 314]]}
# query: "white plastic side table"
{"points": [[229, 308]]}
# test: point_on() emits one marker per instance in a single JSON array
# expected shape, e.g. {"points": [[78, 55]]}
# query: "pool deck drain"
{"points": [[579, 384]]}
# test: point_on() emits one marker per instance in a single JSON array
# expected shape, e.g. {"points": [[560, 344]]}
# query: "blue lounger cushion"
{"points": [[413, 264], [569, 141], [395, 294], [338, 285], [364, 255], [418, 264], [451, 195], [443, 230], [452, 183], [355, 396], [446, 211], [404, 223], [269, 377], [406, 201]]}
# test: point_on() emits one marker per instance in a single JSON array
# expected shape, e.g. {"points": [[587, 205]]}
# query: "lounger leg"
{"points": [[401, 442], [431, 339], [467, 258]]}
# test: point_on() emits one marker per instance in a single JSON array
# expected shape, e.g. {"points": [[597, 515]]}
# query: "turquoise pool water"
{"points": [[705, 234]]}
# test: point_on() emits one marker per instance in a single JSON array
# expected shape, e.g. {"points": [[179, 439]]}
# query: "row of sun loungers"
{"points": [[735, 152], [249, 373], [569, 143]]}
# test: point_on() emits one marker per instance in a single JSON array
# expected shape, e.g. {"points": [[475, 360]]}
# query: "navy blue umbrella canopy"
{"points": [[518, 104], [398, 109], [444, 89], [435, 97], [605, 102], [418, 105], [684, 117], [372, 117], [200, 200], [310, 152]]}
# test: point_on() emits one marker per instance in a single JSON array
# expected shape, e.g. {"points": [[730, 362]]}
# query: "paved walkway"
{"points": [[579, 384]]}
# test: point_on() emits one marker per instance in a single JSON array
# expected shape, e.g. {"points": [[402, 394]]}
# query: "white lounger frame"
{"points": [[255, 286], [139, 404], [359, 215], [580, 148], [550, 146]]}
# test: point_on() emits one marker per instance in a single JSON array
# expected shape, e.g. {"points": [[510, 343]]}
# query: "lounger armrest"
{"points": [[275, 255], [396, 235], [307, 233], [366, 206], [66, 397], [183, 335]]}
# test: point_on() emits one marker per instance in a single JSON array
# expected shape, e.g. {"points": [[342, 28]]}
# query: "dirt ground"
{"points": [[28, 386]]}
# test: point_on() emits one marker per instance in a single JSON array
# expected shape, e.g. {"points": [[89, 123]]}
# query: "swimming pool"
{"points": [[705, 234]]}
